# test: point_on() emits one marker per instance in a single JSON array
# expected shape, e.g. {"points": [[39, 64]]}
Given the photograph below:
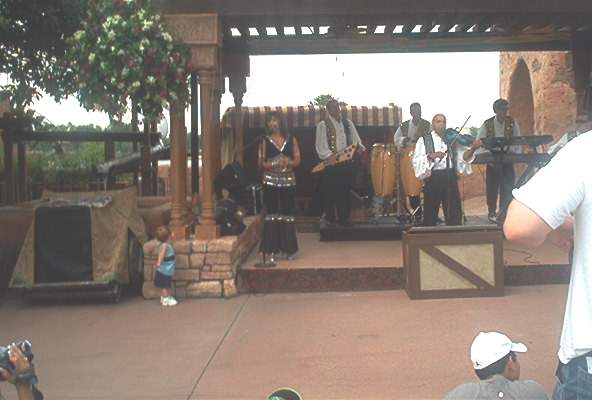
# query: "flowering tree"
{"points": [[123, 53], [32, 40]]}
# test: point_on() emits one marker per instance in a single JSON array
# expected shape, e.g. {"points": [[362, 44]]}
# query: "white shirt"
{"points": [[321, 144], [423, 166], [499, 129], [563, 187], [411, 132]]}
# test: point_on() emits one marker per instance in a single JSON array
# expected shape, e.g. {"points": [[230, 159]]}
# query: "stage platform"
{"points": [[378, 265], [368, 263]]}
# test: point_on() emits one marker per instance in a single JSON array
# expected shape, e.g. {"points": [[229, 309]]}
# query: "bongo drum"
{"points": [[411, 185], [383, 168]]}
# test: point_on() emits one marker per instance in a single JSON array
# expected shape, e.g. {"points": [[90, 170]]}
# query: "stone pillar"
{"points": [[238, 88], [209, 127], [203, 32], [178, 173], [194, 136], [236, 65]]}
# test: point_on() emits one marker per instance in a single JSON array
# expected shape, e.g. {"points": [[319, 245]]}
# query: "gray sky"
{"points": [[456, 84]]}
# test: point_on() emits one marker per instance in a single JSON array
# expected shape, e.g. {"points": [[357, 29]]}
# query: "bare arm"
{"points": [[468, 155], [161, 254], [524, 226]]}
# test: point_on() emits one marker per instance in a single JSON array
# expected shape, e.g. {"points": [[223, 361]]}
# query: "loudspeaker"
{"points": [[63, 251], [453, 261]]}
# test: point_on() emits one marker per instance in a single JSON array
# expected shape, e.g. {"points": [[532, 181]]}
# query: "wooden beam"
{"points": [[463, 27], [408, 27], [320, 8], [427, 26], [433, 42]]}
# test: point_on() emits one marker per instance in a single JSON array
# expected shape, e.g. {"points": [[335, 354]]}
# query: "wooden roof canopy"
{"points": [[368, 26]]}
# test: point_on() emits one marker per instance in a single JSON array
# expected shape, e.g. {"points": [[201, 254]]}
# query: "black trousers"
{"points": [[279, 200], [500, 180], [442, 189], [415, 202], [336, 186], [279, 230]]}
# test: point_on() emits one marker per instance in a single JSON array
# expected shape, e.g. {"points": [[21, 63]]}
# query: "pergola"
{"points": [[224, 33]]}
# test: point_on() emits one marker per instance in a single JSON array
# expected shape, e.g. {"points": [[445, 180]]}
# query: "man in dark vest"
{"points": [[499, 178], [406, 135], [334, 133]]}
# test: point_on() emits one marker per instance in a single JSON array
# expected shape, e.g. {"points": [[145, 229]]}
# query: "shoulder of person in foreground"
{"points": [[463, 391], [529, 389]]}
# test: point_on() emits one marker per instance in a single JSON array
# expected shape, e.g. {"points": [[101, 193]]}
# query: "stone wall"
{"points": [[204, 268], [550, 78]]}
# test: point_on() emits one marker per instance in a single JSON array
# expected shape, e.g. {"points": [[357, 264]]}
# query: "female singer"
{"points": [[279, 154]]}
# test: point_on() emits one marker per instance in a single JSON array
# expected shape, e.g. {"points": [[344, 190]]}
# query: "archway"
{"points": [[520, 98]]}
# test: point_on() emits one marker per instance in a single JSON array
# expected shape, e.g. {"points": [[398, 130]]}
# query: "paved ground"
{"points": [[363, 345]]}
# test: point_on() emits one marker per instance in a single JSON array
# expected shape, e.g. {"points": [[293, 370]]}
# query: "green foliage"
{"points": [[70, 163], [123, 54], [32, 41], [322, 100]]}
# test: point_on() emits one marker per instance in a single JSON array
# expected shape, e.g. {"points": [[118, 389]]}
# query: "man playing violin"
{"points": [[439, 163]]}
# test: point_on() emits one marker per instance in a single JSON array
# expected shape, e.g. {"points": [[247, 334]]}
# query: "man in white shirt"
{"points": [[499, 178], [407, 134], [557, 203], [334, 134], [438, 163]]}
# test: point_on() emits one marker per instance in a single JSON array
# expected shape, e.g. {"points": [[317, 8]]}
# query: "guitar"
{"points": [[340, 157]]}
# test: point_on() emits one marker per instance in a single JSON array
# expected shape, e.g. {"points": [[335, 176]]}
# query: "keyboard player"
{"points": [[499, 177]]}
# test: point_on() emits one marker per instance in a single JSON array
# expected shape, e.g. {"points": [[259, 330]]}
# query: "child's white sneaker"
{"points": [[170, 301], [162, 301]]}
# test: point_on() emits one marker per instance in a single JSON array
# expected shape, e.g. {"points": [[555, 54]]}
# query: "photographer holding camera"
{"points": [[22, 375]]}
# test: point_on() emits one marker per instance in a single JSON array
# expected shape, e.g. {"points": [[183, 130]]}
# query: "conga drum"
{"points": [[411, 185], [383, 168]]}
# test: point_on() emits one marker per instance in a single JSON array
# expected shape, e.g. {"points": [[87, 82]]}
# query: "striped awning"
{"points": [[309, 116]]}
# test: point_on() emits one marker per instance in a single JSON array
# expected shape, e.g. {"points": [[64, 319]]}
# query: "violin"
{"points": [[452, 136]]}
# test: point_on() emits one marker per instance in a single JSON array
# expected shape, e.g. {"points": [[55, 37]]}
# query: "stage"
{"points": [[345, 265]]}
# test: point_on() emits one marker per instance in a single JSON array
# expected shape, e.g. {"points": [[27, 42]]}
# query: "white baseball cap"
{"points": [[489, 347]]}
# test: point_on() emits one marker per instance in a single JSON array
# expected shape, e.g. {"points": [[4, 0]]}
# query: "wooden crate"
{"points": [[454, 261]]}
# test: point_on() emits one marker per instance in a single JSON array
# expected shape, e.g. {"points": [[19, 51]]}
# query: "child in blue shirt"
{"points": [[165, 264]]}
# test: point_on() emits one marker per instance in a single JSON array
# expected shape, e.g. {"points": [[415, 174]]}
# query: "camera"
{"points": [[24, 345]]}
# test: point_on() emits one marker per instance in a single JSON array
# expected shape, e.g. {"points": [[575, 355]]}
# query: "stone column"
{"points": [[178, 173], [203, 32], [194, 136], [238, 88], [209, 127]]}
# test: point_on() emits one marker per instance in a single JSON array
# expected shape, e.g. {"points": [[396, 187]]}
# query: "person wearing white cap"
{"points": [[557, 204], [496, 364]]}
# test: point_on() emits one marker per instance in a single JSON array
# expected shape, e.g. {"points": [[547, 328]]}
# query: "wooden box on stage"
{"points": [[454, 261]]}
